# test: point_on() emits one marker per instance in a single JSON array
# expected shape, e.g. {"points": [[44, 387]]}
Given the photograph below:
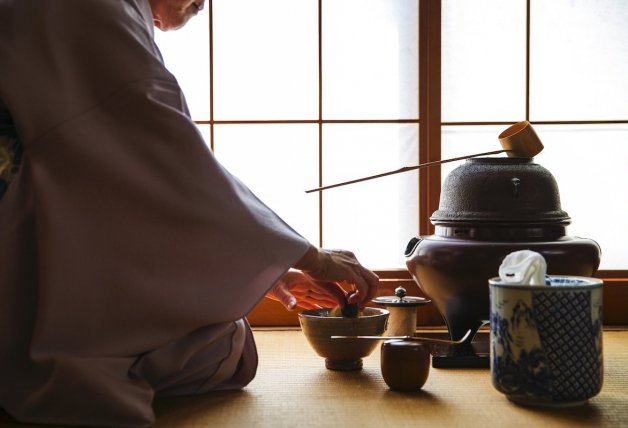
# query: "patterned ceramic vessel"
{"points": [[546, 341]]}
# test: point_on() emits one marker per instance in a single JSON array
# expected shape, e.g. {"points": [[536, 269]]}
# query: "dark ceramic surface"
{"points": [[490, 207], [454, 273], [488, 190], [405, 364]]}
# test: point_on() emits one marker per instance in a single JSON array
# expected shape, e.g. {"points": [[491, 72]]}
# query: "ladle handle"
{"points": [[422, 339], [404, 169]]}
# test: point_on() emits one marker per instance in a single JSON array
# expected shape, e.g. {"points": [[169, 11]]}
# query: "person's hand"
{"points": [[341, 267], [296, 289]]}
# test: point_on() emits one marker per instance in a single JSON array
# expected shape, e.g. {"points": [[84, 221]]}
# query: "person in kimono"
{"points": [[129, 257]]}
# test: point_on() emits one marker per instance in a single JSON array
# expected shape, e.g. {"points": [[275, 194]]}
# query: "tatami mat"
{"points": [[294, 389]]}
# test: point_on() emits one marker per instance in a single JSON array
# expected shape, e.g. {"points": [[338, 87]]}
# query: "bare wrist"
{"points": [[310, 261]]}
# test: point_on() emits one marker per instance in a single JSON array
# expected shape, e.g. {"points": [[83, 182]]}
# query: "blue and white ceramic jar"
{"points": [[546, 340]]}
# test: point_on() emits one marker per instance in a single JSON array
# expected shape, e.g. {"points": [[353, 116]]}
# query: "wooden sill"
{"points": [[269, 313]]}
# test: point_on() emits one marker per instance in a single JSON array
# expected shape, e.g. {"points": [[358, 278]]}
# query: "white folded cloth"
{"points": [[523, 267]]}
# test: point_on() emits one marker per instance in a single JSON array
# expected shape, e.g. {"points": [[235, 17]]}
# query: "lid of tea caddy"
{"points": [[400, 299]]}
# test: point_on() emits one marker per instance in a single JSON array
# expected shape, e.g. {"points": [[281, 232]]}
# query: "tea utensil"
{"points": [[519, 140], [423, 339]]}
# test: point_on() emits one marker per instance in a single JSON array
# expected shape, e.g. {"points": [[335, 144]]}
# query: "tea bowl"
{"points": [[343, 354]]}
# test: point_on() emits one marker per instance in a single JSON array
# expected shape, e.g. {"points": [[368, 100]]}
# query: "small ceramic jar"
{"points": [[405, 364], [403, 312]]}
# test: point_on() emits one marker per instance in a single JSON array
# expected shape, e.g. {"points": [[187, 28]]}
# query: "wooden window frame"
{"points": [[272, 314]]}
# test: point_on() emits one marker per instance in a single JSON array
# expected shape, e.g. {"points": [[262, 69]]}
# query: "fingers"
{"points": [[317, 285], [281, 293], [363, 281], [369, 288], [308, 305], [342, 266], [336, 291], [315, 298], [295, 289], [365, 290]]}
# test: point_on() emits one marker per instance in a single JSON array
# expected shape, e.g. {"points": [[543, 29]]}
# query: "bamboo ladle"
{"points": [[421, 339], [518, 141]]}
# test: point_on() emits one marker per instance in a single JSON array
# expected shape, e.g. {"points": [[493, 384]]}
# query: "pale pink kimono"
{"points": [[128, 255]]}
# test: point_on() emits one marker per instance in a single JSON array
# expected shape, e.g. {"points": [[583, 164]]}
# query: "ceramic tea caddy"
{"points": [[403, 312], [405, 364]]}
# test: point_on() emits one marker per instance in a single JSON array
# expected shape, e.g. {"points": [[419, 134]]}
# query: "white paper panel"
{"points": [[186, 54], [590, 163], [459, 141], [579, 60], [483, 60], [266, 59], [205, 133], [374, 219], [278, 163], [370, 59]]}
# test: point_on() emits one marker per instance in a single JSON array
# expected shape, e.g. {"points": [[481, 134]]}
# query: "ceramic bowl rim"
{"points": [[313, 314]]}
